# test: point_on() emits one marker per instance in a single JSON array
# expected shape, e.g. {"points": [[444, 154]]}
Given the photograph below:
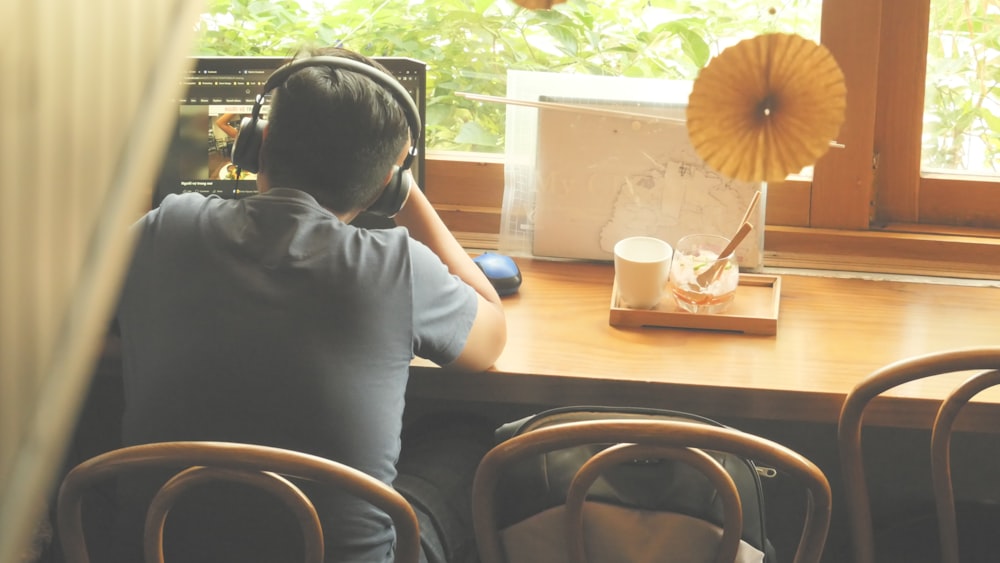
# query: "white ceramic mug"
{"points": [[641, 268]]}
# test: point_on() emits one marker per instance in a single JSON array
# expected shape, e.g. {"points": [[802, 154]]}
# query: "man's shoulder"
{"points": [[177, 207], [189, 200]]}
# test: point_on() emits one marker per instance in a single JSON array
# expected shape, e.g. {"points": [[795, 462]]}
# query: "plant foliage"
{"points": [[469, 45]]}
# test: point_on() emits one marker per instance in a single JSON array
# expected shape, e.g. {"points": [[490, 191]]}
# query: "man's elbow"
{"points": [[486, 341]]}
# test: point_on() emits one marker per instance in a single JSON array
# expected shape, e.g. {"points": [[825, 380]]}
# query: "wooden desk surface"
{"points": [[831, 332]]}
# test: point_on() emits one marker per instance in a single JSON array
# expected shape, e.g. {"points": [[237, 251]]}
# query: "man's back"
{"points": [[269, 321]]}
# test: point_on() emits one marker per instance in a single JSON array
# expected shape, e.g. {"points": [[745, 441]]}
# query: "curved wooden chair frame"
{"points": [[261, 466], [641, 438], [849, 438]]}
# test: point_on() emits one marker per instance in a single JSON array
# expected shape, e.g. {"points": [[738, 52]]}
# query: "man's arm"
{"points": [[489, 331], [223, 123]]}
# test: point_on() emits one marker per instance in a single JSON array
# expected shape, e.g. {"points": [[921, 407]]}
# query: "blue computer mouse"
{"points": [[501, 270]]}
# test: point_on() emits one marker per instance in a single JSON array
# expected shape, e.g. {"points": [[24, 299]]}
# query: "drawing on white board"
{"points": [[600, 178]]}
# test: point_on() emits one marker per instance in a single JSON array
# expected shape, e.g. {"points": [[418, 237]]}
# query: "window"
{"points": [[911, 189], [962, 102], [870, 206], [883, 203], [471, 44]]}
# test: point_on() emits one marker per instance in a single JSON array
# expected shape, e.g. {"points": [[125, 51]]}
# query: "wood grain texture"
{"points": [[842, 189], [900, 112], [831, 333], [960, 200], [788, 202], [901, 251], [754, 310]]}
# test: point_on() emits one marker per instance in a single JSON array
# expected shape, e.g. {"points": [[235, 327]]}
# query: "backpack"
{"points": [[538, 484]]}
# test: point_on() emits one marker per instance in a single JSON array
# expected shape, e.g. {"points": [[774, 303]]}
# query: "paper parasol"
{"points": [[766, 107], [537, 4]]}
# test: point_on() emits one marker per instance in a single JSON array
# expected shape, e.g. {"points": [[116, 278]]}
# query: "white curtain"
{"points": [[86, 90]]}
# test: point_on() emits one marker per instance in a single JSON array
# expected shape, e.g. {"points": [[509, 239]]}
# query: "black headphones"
{"points": [[246, 149]]}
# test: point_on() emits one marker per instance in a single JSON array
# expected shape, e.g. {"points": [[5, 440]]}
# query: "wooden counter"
{"points": [[831, 332]]}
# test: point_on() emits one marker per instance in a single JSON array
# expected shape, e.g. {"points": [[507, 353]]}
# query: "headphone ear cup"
{"points": [[246, 148], [393, 197]]}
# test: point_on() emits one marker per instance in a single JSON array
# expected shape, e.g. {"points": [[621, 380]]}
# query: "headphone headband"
{"points": [[386, 81], [250, 139]]}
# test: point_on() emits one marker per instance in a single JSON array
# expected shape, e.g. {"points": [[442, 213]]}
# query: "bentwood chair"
{"points": [[197, 463], [985, 362], [587, 531]]}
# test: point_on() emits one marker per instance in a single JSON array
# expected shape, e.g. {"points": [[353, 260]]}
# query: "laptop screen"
{"points": [[219, 92]]}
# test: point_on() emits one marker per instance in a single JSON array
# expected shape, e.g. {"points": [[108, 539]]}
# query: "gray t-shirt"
{"points": [[268, 320]]}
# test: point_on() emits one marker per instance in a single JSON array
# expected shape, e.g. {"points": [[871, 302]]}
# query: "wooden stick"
{"points": [[708, 276], [753, 204]]}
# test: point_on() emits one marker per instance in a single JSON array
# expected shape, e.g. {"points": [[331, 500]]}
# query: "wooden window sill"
{"points": [[467, 190]]}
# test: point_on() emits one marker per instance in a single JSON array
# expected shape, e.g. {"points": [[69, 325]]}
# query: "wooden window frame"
{"points": [[867, 207]]}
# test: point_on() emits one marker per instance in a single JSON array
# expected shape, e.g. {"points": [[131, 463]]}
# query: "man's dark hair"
{"points": [[334, 134]]}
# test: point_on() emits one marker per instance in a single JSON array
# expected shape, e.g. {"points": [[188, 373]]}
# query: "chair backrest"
{"points": [[984, 360], [262, 466], [646, 440]]}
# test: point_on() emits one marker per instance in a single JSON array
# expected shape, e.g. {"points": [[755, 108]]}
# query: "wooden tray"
{"points": [[754, 311]]}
